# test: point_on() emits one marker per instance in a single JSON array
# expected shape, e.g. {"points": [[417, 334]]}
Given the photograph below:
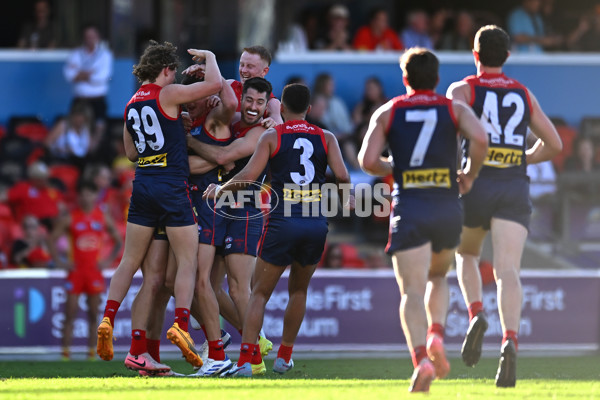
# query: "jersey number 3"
{"points": [[146, 127], [309, 168]]}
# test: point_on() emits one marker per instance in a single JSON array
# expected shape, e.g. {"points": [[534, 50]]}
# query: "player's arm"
{"points": [[175, 94], [549, 143], [459, 91], [375, 141], [199, 165], [336, 163], [470, 128], [60, 227], [265, 147], [130, 150], [111, 228], [274, 110], [222, 113], [222, 155]]}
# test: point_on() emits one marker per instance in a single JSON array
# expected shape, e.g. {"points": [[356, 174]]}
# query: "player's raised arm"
{"points": [[471, 129], [549, 143], [374, 143]]}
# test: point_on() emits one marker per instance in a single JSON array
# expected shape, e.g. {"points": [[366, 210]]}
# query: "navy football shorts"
{"points": [[417, 220], [242, 232], [156, 201], [497, 198], [211, 224], [288, 239]]}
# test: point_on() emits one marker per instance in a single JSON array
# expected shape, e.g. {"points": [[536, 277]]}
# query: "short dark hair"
{"points": [[492, 43], [189, 79], [261, 85], [420, 68], [261, 51], [85, 184], [156, 57], [296, 97]]}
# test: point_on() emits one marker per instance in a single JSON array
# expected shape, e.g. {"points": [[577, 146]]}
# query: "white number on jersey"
{"points": [[429, 120], [489, 118], [309, 168], [147, 125]]}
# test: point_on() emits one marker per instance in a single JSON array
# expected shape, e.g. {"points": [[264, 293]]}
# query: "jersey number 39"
{"points": [[145, 127]]}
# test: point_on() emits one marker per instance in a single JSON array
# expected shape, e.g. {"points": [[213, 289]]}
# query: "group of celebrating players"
{"points": [[238, 133]]}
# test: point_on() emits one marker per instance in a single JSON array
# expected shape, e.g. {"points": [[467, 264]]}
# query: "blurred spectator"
{"points": [[567, 136], [438, 25], [416, 33], [303, 34], [318, 108], [69, 139], [526, 28], [31, 251], [586, 37], [461, 36], [584, 156], [377, 35], [373, 98], [341, 255], [295, 79], [89, 69], [35, 196], [552, 21], [337, 36], [41, 32], [332, 259]]}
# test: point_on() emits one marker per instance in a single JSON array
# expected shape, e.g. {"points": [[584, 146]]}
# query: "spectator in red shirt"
{"points": [[377, 35], [32, 250], [35, 196]]}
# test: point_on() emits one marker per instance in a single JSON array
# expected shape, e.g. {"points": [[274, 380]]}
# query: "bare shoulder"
{"points": [[458, 90]]}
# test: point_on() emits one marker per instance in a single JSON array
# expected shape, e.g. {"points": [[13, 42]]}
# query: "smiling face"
{"points": [[251, 66], [253, 106]]}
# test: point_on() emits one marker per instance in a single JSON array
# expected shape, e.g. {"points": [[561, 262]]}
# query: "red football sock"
{"points": [[418, 354], [182, 316], [215, 350], [246, 350], [256, 356], [511, 335], [437, 329], [111, 310], [285, 352], [154, 348], [475, 308], [204, 330], [138, 342]]}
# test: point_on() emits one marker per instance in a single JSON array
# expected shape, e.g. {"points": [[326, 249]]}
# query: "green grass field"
{"points": [[538, 378]]}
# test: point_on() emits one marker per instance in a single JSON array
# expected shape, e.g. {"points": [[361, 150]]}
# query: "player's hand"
{"points": [[229, 166], [200, 55], [187, 121], [268, 123], [465, 182], [195, 70], [213, 101], [210, 192]]}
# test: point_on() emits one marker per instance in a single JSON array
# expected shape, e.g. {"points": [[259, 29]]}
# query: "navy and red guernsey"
{"points": [[422, 128], [158, 138], [215, 175], [237, 132], [504, 107], [297, 167]]}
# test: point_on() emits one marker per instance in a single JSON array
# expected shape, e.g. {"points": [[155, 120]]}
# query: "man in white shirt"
{"points": [[89, 68]]}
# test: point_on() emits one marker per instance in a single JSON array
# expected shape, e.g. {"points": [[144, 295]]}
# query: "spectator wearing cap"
{"points": [[337, 36], [377, 35], [35, 196]]}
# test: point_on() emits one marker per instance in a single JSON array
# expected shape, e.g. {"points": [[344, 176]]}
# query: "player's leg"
{"points": [[239, 269], [184, 243], [411, 270], [436, 305], [137, 240], [93, 305], [153, 270], [294, 313], [67, 333], [508, 241], [469, 279]]}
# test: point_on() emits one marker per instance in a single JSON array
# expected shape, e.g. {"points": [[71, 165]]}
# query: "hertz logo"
{"points": [[159, 160], [303, 196], [426, 178], [502, 157]]}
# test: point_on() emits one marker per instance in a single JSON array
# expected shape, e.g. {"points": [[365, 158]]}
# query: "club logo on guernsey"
{"points": [[503, 157], [159, 160], [426, 178]]}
